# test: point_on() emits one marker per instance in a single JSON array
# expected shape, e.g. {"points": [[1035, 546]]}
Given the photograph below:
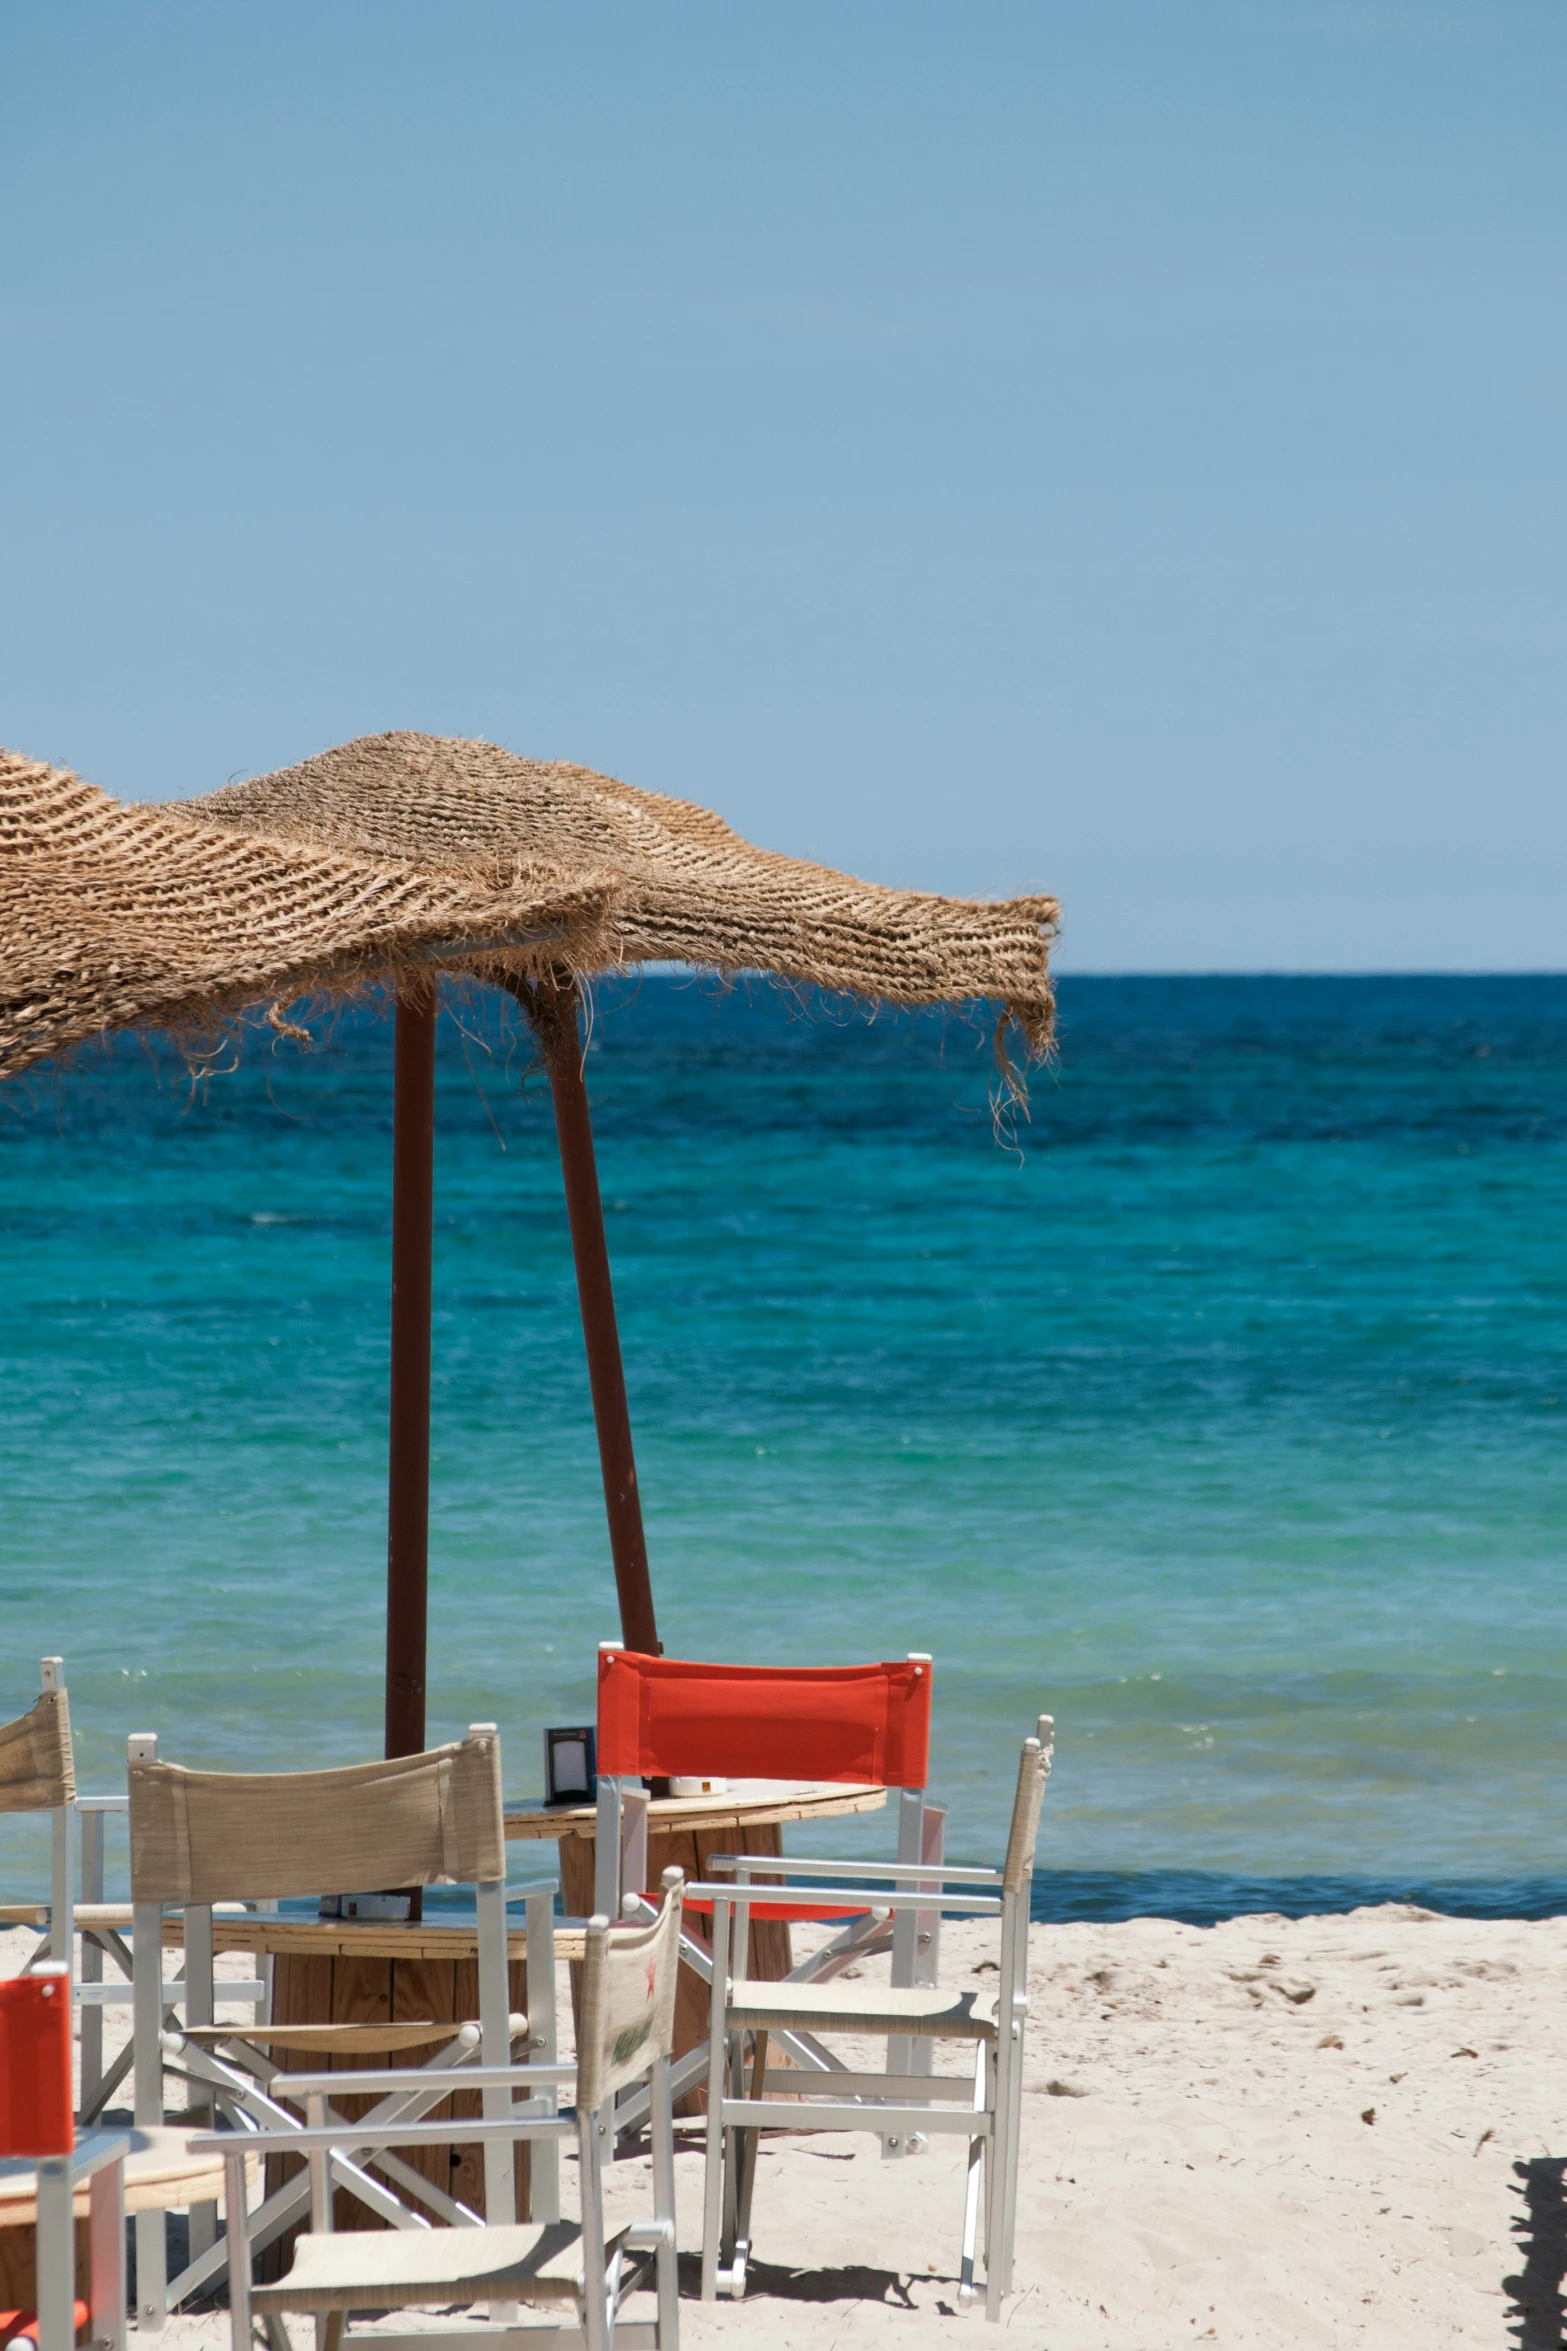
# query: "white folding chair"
{"points": [[575, 2270], [38, 2138], [206, 1840], [985, 2107], [858, 1724], [38, 1774]]}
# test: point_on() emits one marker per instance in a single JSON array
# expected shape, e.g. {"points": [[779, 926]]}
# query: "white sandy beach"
{"points": [[1330, 2131]]}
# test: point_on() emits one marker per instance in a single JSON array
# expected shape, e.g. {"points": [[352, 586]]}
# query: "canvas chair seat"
{"points": [[408, 2268], [334, 2040], [921, 2012]]}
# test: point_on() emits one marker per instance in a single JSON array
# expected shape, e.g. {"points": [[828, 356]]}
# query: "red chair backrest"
{"points": [[35, 2065], [665, 1717]]}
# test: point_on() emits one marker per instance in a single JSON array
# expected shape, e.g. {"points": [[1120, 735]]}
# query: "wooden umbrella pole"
{"points": [[408, 1483], [553, 1011]]}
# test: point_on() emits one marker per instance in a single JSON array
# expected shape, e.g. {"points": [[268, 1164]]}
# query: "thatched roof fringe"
{"points": [[686, 888], [401, 851]]}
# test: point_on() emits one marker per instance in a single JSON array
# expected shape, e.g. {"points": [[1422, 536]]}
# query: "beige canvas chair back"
{"points": [[37, 1769], [1032, 1773], [628, 1998], [217, 1836]]}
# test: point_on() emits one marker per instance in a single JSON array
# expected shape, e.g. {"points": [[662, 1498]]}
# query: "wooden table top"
{"points": [[748, 1804], [341, 1938]]}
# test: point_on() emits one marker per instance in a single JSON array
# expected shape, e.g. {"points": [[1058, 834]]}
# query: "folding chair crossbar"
{"points": [[249, 2107], [246, 2105]]}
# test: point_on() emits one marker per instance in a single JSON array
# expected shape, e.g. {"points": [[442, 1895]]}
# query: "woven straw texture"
{"points": [[628, 2001], [414, 1820], [37, 1768], [1033, 1774], [115, 916], [686, 887]]}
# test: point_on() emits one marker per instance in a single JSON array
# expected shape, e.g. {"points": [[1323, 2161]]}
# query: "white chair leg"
{"points": [[106, 2256], [237, 2224], [901, 2057], [668, 2269], [199, 2006], [152, 2250], [995, 2178], [733, 2158], [544, 2160], [500, 2184], [152, 2273], [62, 1937], [1014, 2121], [976, 2172], [596, 2318], [713, 2174], [748, 2149], [91, 1829], [55, 2256]]}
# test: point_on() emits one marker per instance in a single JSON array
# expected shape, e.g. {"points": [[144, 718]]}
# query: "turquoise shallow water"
{"points": [[1229, 1421]]}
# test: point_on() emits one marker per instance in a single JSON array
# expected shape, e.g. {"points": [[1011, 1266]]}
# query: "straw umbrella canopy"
{"points": [[687, 888], [116, 916], [399, 854]]}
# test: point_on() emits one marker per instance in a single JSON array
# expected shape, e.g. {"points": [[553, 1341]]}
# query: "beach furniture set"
{"points": [[402, 861], [313, 2114]]}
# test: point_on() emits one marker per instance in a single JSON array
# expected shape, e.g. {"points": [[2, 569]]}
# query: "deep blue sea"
{"points": [[1225, 1416]]}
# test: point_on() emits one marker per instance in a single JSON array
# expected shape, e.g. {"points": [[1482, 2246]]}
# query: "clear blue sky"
{"points": [[1114, 448]]}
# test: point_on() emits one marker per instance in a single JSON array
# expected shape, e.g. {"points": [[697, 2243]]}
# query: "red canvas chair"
{"points": [[38, 2134], [860, 1725], [743, 2091]]}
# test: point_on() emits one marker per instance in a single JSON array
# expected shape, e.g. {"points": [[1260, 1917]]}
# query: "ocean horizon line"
{"points": [[1197, 1897]]}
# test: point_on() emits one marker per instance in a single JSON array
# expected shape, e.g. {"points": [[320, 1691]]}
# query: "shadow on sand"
{"points": [[1538, 2304], [856, 2282]]}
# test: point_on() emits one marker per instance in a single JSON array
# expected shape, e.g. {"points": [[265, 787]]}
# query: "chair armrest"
{"points": [[854, 1869], [852, 1898]]}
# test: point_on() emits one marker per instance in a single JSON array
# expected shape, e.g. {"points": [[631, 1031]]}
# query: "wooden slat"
{"points": [[301, 1994], [442, 1987]]}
